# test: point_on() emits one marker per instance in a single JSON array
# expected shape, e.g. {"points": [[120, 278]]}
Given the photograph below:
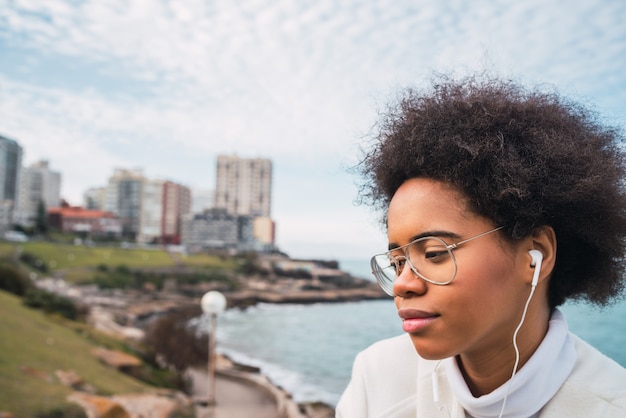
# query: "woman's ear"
{"points": [[544, 241]]}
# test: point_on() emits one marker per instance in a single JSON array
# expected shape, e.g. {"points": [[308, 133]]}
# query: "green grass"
{"points": [[65, 256], [6, 249], [208, 261], [79, 263], [30, 339]]}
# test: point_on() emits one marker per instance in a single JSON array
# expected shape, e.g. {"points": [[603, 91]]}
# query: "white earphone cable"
{"points": [[519, 326], [436, 391]]}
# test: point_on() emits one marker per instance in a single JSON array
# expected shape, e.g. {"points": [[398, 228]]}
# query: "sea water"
{"points": [[309, 349], [306, 349]]}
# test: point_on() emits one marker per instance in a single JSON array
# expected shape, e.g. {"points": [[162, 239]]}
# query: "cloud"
{"points": [[167, 85]]}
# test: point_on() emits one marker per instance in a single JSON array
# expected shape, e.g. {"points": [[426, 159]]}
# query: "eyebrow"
{"points": [[439, 234]]}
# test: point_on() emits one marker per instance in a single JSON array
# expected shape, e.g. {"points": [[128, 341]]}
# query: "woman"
{"points": [[501, 204]]}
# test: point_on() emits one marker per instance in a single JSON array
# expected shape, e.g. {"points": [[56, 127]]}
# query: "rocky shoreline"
{"points": [[126, 313]]}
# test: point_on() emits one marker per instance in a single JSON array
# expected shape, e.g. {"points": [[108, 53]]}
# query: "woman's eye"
{"points": [[397, 264], [435, 254], [400, 265]]}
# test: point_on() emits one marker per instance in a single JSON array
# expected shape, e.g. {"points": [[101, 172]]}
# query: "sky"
{"points": [[165, 86]]}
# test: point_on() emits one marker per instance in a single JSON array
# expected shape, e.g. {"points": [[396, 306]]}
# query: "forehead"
{"points": [[420, 204]]}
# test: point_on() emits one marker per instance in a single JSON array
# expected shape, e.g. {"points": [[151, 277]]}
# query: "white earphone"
{"points": [[537, 258]]}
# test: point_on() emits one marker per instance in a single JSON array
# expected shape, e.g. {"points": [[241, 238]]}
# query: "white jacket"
{"points": [[389, 379]]}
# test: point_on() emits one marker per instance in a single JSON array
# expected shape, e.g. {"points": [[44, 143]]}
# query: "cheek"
{"points": [[485, 282]]}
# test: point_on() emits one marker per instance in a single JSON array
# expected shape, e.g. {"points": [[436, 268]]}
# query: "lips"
{"points": [[414, 320]]}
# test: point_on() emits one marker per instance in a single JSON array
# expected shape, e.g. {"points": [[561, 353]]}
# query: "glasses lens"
{"points": [[384, 269], [430, 258]]}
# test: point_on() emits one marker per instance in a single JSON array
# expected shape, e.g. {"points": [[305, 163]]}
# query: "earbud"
{"points": [[537, 258]]}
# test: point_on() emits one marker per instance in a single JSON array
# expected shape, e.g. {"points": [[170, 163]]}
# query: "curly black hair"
{"points": [[524, 159]]}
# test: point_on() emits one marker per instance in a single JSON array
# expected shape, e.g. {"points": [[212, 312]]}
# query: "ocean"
{"points": [[308, 349]]}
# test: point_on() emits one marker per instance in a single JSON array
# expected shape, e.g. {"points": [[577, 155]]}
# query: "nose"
{"points": [[408, 284]]}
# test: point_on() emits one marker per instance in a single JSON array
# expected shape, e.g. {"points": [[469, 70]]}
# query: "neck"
{"points": [[485, 371], [533, 386]]}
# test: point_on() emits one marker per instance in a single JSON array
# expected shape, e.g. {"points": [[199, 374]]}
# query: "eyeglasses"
{"points": [[429, 258]]}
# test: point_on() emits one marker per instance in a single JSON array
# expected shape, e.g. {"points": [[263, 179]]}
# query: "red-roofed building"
{"points": [[96, 223]]}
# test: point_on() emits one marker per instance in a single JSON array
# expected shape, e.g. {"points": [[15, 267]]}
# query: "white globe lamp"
{"points": [[213, 303]]}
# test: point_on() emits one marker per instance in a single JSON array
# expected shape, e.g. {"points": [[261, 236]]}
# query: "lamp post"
{"points": [[213, 303]]}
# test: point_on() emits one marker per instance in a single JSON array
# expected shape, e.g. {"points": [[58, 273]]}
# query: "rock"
{"points": [[148, 405], [116, 359], [142, 405], [69, 378], [98, 406]]}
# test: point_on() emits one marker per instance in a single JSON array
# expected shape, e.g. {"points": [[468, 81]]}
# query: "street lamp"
{"points": [[213, 303]]}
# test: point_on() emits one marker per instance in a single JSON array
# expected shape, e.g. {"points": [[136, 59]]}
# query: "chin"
{"points": [[429, 351]]}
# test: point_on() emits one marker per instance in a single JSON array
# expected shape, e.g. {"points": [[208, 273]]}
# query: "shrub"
{"points": [[102, 268], [51, 303], [34, 262], [13, 280]]}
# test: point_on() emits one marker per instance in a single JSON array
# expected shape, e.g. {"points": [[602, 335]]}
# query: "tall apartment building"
{"points": [[164, 204], [10, 173], [123, 198], [240, 217], [39, 184], [176, 206], [151, 211], [10, 168], [244, 186]]}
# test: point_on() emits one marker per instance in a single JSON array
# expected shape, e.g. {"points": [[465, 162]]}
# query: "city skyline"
{"points": [[168, 86]]}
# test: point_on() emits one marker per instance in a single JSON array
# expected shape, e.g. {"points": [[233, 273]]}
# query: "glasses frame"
{"points": [[387, 285]]}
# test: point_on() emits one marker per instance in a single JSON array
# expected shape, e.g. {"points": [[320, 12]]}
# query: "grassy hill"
{"points": [[33, 346], [79, 263]]}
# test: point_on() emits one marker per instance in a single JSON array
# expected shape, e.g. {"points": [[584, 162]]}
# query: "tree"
{"points": [[176, 342], [41, 222]]}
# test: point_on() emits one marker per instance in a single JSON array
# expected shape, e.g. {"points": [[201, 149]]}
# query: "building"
{"points": [[212, 229], [91, 223], [243, 186], [163, 206], [94, 198], [151, 211], [216, 229], [264, 232], [10, 169], [10, 174], [39, 185], [176, 205], [6, 216], [123, 198]]}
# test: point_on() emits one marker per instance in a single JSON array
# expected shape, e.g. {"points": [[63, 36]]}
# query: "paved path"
{"points": [[235, 398]]}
